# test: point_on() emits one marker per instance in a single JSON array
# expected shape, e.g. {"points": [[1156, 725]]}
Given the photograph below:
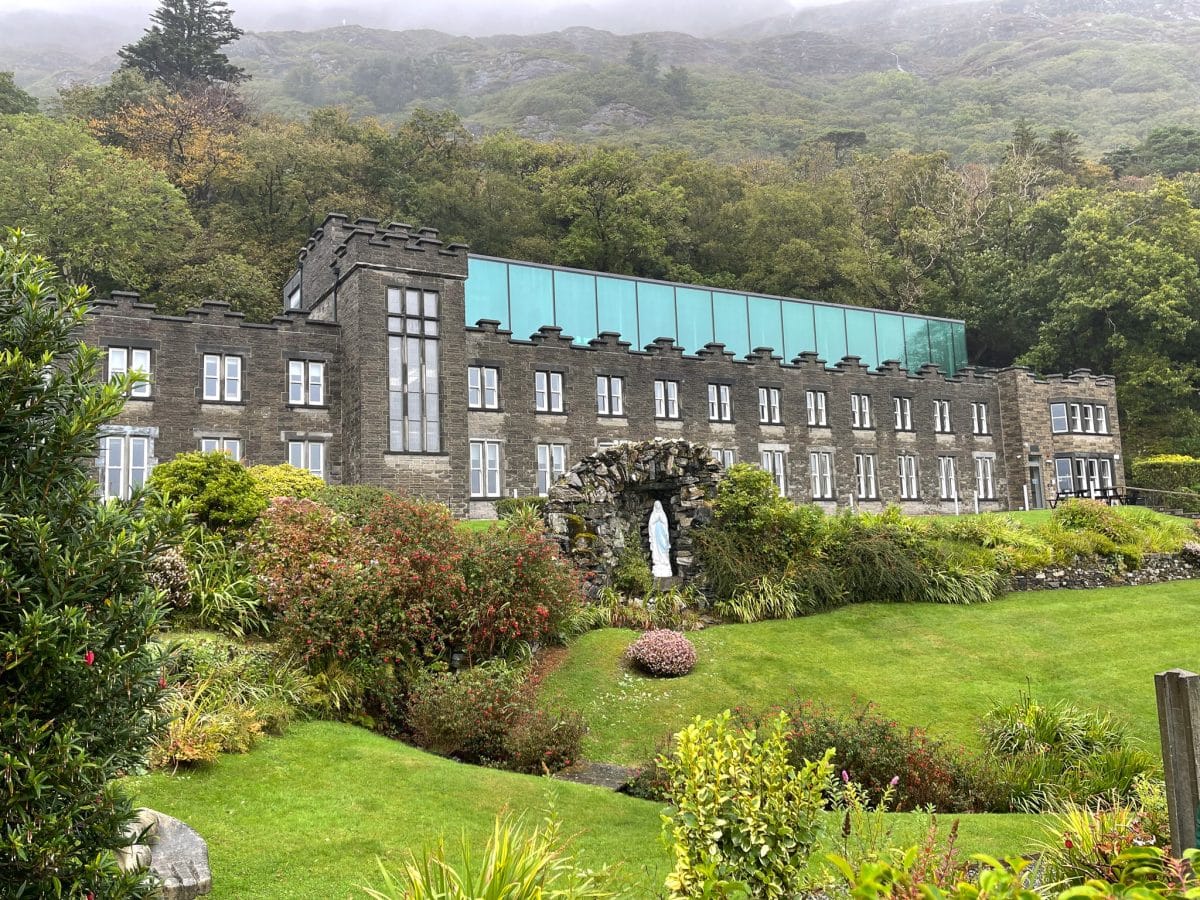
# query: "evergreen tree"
{"points": [[13, 99], [183, 49], [78, 684]]}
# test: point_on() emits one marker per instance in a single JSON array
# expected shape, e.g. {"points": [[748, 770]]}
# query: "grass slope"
{"points": [[306, 815], [935, 666]]}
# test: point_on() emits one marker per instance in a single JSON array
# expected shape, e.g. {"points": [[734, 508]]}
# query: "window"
{"points": [[306, 383], [947, 478], [985, 488], [720, 407], [820, 470], [864, 476], [414, 372], [666, 399], [725, 457], [548, 392], [308, 455], [903, 410], [125, 464], [483, 387], [1058, 418], [126, 359], [775, 462], [815, 402], [231, 446], [222, 378], [910, 488], [485, 468], [551, 463], [768, 406], [1062, 475], [979, 419], [610, 395], [860, 411], [293, 298], [1083, 473], [941, 416], [1079, 418]]}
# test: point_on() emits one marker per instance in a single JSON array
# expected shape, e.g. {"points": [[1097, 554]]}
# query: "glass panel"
{"points": [[296, 454], [766, 324], [412, 303], [431, 304], [732, 325], [395, 298], [532, 299], [916, 342], [959, 331], [486, 291], [695, 318], [316, 459], [575, 305], [941, 345], [798, 334], [656, 312], [617, 307], [831, 333], [889, 335], [860, 336], [116, 361]]}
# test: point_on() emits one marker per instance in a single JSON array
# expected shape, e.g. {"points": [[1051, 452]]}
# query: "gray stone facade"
{"points": [[340, 293]]}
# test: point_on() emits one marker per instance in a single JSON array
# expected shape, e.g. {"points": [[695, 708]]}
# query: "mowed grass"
{"points": [[939, 667], [307, 815]]}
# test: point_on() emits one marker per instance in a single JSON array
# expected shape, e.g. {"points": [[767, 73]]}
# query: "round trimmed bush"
{"points": [[664, 653]]}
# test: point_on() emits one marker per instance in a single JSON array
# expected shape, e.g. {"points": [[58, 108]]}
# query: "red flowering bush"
{"points": [[663, 653], [487, 714], [873, 750], [405, 589]]}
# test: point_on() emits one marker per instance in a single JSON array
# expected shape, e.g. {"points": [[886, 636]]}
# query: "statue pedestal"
{"points": [[665, 583]]}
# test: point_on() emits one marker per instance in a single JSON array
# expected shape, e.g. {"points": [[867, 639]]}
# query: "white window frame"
{"points": [[307, 454], [131, 359], [724, 456], [769, 407], [666, 399], [947, 478], [1101, 419], [485, 469], [230, 446], [910, 481], [1076, 418], [483, 387], [1059, 424], [1064, 474], [860, 411], [720, 406], [224, 384], [551, 465], [774, 462], [941, 416], [610, 395], [902, 407], [1089, 418], [979, 418], [866, 486], [985, 477], [119, 476], [306, 382], [820, 471], [547, 391], [816, 405]]}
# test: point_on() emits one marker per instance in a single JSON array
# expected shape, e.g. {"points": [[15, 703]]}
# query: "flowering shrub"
{"points": [[874, 750], [487, 714], [663, 653], [406, 589], [167, 571]]}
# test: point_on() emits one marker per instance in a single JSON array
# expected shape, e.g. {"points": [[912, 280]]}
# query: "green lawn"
{"points": [[935, 666], [306, 815]]}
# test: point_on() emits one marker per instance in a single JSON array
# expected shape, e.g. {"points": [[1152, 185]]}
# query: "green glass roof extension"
{"points": [[525, 296]]}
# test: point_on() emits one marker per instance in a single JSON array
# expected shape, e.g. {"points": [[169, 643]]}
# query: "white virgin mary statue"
{"points": [[660, 542]]}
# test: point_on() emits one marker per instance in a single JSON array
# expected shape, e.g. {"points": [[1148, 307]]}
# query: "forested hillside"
{"points": [[1057, 256]]}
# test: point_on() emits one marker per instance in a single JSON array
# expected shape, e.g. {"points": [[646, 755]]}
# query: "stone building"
{"points": [[401, 361]]}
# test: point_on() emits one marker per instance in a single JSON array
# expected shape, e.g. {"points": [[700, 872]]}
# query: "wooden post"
{"points": [[1178, 694]]}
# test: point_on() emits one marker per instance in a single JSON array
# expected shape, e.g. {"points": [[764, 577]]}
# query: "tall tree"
{"points": [[80, 687], [183, 48], [13, 99]]}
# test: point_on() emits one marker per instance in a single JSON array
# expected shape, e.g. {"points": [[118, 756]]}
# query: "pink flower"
{"points": [[89, 658], [845, 776], [895, 780]]}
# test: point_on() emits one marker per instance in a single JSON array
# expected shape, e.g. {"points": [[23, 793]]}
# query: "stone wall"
{"points": [[605, 501], [1156, 568]]}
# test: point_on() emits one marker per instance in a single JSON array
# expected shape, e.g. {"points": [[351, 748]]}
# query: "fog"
{"points": [[473, 17]]}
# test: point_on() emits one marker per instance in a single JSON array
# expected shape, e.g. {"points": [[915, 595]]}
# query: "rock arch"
{"points": [[606, 498]]}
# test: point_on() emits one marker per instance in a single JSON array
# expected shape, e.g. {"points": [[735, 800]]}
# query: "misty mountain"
{"points": [[950, 74]]}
